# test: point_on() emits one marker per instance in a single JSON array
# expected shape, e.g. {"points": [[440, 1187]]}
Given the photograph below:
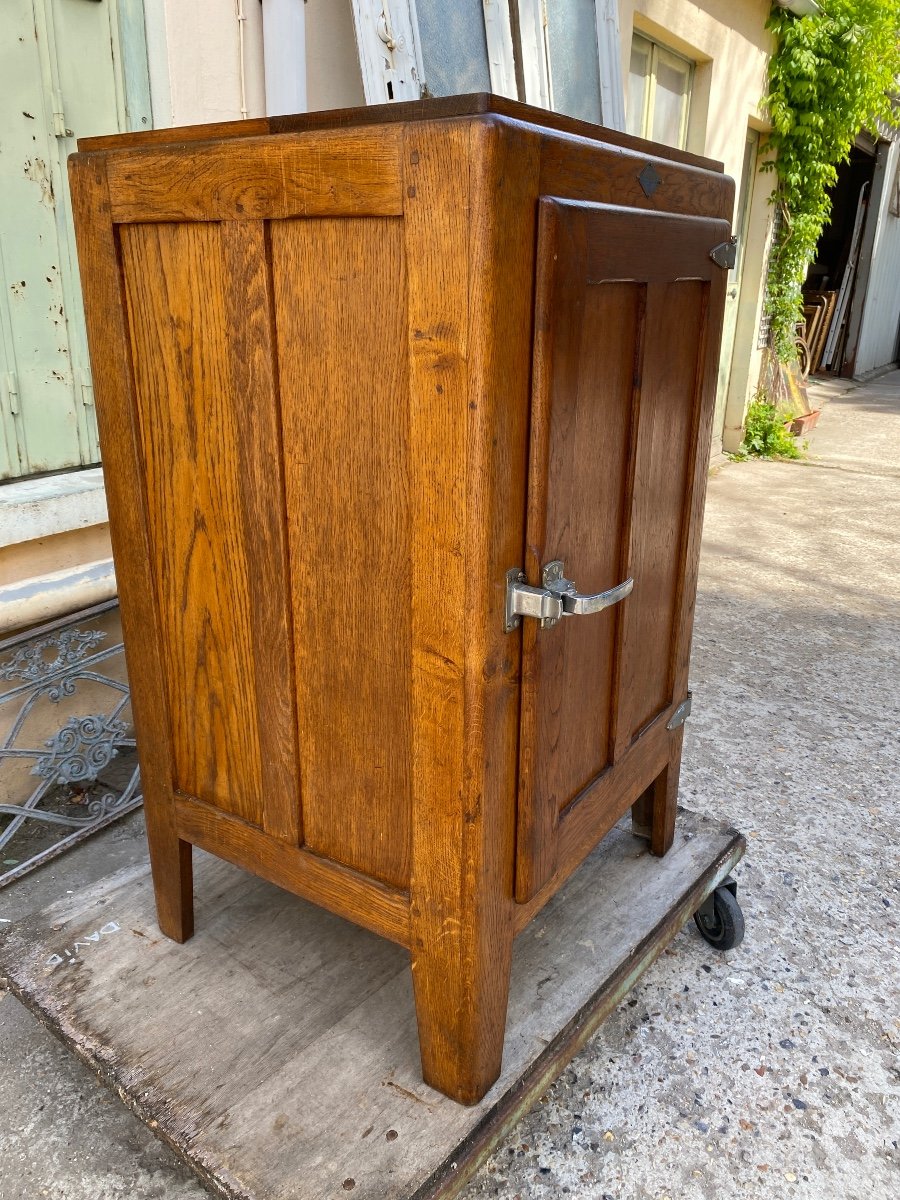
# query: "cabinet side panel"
{"points": [[199, 326], [341, 311], [670, 394], [99, 261]]}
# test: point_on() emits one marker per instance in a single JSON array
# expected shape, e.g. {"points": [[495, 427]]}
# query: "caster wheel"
{"points": [[720, 919]]}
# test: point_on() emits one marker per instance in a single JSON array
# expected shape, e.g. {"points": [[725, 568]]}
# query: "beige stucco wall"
{"points": [[728, 41], [195, 59], [333, 77]]}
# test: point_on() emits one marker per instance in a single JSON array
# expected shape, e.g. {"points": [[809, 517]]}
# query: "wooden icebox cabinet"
{"points": [[405, 417]]}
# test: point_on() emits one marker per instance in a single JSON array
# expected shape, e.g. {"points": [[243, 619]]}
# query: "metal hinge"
{"points": [[12, 392], [681, 713], [60, 129], [384, 30], [725, 254], [557, 597], [87, 387]]}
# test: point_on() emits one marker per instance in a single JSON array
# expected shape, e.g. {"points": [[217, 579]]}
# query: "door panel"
{"points": [[199, 310], [662, 469], [346, 438], [623, 392]]}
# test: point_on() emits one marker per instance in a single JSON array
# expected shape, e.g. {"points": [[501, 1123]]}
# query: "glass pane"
{"points": [[638, 73], [574, 58], [673, 79], [748, 174], [454, 49]]}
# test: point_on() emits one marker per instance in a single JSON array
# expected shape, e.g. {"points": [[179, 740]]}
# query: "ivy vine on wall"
{"points": [[829, 77]]}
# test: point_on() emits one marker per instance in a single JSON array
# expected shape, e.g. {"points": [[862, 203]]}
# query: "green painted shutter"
{"points": [[62, 76]]}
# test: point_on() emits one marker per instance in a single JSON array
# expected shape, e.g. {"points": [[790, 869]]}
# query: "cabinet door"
{"points": [[627, 328]]}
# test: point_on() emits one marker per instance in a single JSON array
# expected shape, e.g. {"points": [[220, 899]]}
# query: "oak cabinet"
{"points": [[373, 387]]}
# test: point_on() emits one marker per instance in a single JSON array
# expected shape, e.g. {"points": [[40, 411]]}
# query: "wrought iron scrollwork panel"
{"points": [[68, 764]]}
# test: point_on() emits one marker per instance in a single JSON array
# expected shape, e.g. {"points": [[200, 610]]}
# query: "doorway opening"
{"points": [[835, 286]]}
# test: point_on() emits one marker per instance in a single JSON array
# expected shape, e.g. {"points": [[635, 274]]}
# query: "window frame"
{"points": [[389, 48], [649, 97]]}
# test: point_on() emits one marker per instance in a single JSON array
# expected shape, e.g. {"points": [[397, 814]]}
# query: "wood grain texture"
{"points": [[707, 367], [443, 927], [366, 901], [214, 513], [429, 108], [596, 810], [664, 795], [461, 931], [118, 424], [260, 464], [567, 171], [341, 311], [588, 340], [178, 135], [660, 496], [558, 324], [653, 813], [621, 309], [505, 167], [324, 376], [353, 174]]}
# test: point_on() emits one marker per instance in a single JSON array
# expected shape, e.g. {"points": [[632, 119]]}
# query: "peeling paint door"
{"points": [[59, 63]]}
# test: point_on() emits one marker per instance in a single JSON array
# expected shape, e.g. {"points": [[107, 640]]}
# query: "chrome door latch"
{"points": [[557, 598]]}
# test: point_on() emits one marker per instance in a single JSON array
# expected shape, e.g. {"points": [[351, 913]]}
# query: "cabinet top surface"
{"points": [[429, 109]]}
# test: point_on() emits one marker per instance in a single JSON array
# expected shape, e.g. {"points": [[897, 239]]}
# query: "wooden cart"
{"points": [[406, 416]]}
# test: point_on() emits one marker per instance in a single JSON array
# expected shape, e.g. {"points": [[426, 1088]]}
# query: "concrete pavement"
{"points": [[772, 1072]]}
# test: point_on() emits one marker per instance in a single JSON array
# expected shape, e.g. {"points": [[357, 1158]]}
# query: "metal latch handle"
{"points": [[557, 598], [578, 604]]}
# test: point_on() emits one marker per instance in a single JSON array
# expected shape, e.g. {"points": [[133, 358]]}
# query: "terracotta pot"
{"points": [[806, 423]]}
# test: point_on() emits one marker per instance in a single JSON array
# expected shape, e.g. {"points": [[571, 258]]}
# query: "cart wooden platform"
{"points": [[276, 1052]]}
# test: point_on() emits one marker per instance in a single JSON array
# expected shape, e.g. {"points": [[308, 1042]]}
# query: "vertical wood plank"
{"points": [[586, 339], [505, 164], [122, 456], [668, 421], [708, 359], [250, 319], [340, 298], [460, 896], [588, 531], [208, 443], [626, 517], [558, 323], [442, 939]]}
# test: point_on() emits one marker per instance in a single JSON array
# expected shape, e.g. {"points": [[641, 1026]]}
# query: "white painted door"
{"points": [[733, 293], [562, 55]]}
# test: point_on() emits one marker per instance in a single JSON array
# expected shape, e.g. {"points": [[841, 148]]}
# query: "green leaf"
{"points": [[831, 74]]}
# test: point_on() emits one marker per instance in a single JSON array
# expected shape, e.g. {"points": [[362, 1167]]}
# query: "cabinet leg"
{"points": [[642, 814], [461, 1013], [653, 813], [173, 881]]}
